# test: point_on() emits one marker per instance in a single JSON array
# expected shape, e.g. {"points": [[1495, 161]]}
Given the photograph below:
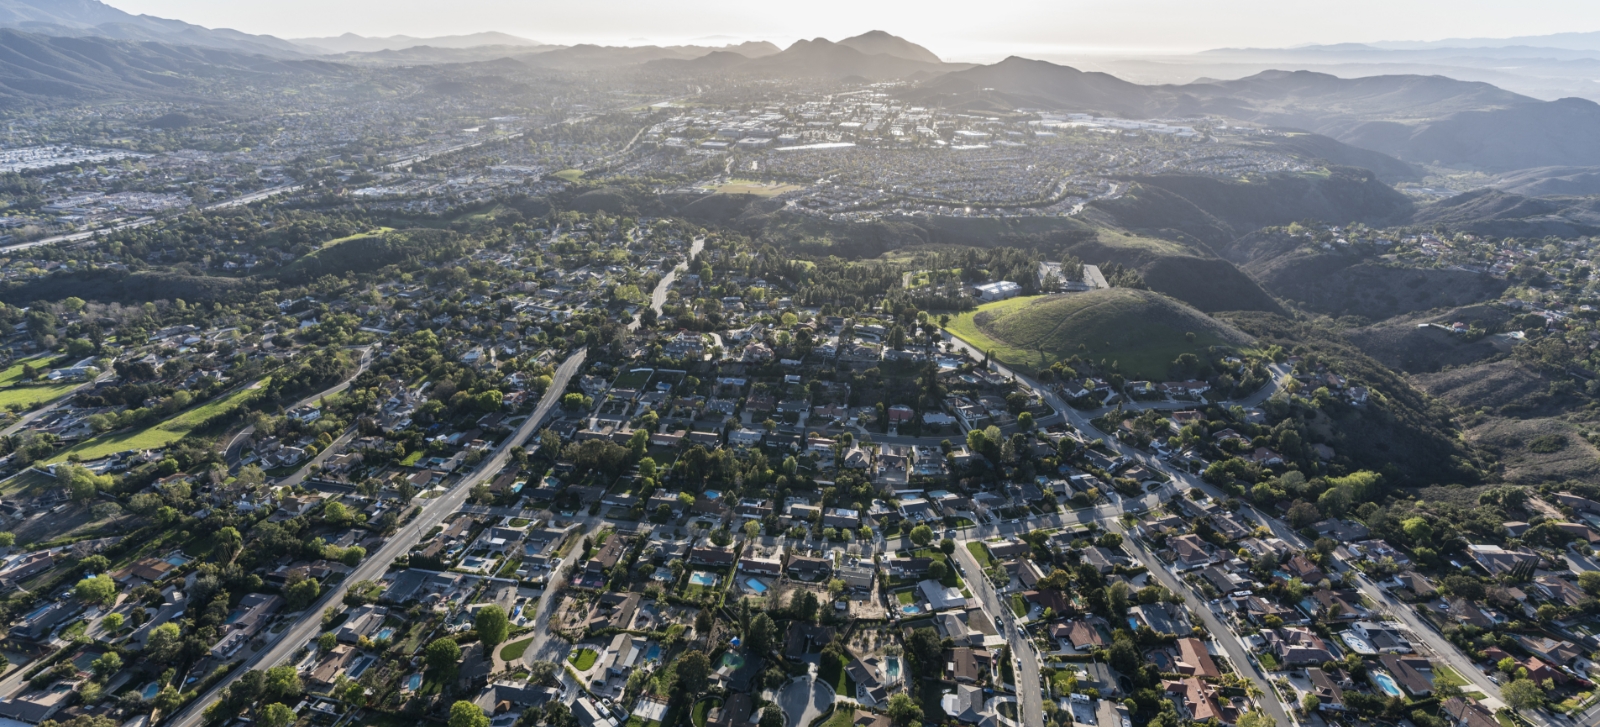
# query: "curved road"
{"points": [[658, 295], [231, 452], [434, 512]]}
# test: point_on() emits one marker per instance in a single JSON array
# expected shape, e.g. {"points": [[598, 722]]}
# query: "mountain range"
{"points": [[352, 43]]}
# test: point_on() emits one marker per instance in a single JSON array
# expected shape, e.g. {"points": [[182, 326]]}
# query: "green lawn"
{"points": [[1019, 607], [412, 459], [833, 673], [23, 397], [571, 175], [1445, 676], [980, 554], [907, 598], [160, 434], [1268, 661], [13, 375], [514, 650], [583, 659], [701, 708], [843, 716]]}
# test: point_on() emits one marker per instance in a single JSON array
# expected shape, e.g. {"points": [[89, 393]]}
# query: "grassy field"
{"points": [[13, 375], [359, 235], [161, 433], [571, 175], [702, 708], [1142, 331], [26, 396], [1115, 238], [760, 189], [843, 716]]}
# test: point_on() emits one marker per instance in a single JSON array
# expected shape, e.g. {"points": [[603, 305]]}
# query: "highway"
{"points": [[142, 221], [433, 513]]}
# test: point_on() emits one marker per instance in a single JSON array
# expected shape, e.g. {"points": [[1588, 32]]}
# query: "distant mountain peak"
{"points": [[875, 42]]}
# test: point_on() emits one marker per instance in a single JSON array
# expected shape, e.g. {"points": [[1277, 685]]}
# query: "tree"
{"points": [[110, 624], [751, 529], [108, 664], [1310, 703], [693, 670], [937, 571], [492, 625], [762, 634], [81, 484], [282, 684], [467, 714], [903, 710], [164, 643], [301, 594], [1256, 718], [229, 542], [274, 715], [99, 590], [442, 654], [921, 535], [773, 715], [1522, 695], [947, 546], [7, 540], [327, 642], [1589, 580]]}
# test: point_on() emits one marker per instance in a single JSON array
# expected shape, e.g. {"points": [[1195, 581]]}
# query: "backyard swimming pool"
{"points": [[702, 578], [891, 669], [150, 690], [1386, 683], [414, 682], [385, 633], [908, 609], [653, 653], [713, 494], [756, 585]]}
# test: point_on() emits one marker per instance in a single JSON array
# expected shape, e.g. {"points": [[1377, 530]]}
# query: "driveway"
{"points": [[805, 698]]}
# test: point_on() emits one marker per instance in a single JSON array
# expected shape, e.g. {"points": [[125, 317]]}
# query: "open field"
{"points": [[159, 434], [24, 397], [571, 175], [359, 235], [1140, 330], [760, 189]]}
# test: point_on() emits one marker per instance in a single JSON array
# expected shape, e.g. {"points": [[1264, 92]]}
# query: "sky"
{"points": [[965, 30]]}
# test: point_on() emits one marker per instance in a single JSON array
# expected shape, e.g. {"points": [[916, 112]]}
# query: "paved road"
{"points": [[54, 404], [142, 221], [434, 512], [1022, 649], [1183, 481], [658, 295], [1226, 637], [235, 447]]}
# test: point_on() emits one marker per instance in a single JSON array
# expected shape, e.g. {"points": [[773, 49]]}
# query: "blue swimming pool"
{"points": [[653, 653], [413, 682], [909, 609], [150, 690], [756, 585], [702, 578], [1386, 683], [385, 633], [713, 494], [177, 560]]}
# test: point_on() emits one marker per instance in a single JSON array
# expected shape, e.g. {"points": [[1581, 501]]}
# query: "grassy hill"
{"points": [[1142, 330]]}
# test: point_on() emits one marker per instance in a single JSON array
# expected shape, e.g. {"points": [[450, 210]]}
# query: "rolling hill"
{"points": [[44, 69], [352, 43], [1141, 330], [819, 58], [91, 18], [1426, 119]]}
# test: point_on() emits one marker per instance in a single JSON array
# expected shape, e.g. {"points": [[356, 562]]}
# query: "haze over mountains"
{"points": [[83, 49]]}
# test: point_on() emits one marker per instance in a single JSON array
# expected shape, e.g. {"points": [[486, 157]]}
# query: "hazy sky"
{"points": [[970, 29]]}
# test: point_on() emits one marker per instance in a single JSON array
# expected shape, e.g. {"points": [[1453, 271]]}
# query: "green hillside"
{"points": [[1142, 330]]}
